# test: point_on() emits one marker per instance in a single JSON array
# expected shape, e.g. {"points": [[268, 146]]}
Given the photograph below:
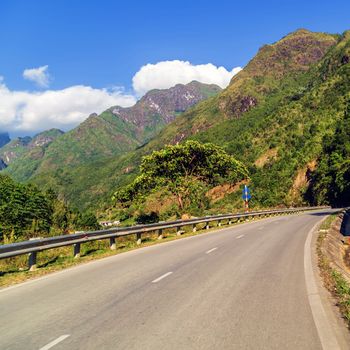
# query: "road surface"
{"points": [[238, 288]]}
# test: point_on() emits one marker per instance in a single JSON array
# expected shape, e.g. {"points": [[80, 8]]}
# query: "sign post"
{"points": [[246, 197]]}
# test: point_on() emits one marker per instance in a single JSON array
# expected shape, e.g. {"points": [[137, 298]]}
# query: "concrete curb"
{"points": [[324, 329]]}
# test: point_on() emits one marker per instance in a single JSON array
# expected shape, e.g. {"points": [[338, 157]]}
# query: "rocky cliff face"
{"points": [[290, 56], [160, 107]]}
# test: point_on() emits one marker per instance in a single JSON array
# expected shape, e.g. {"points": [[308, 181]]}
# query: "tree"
{"points": [[24, 211], [87, 221], [185, 170]]}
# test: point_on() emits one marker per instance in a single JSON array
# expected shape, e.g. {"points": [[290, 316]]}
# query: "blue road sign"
{"points": [[246, 193]]}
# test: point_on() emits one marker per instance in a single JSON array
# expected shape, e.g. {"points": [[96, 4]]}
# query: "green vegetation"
{"points": [[331, 179], [24, 154], [342, 290], [282, 116], [186, 171], [26, 212]]}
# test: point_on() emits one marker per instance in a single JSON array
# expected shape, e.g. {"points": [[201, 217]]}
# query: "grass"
{"points": [[342, 289], [333, 279], [327, 223], [15, 270]]}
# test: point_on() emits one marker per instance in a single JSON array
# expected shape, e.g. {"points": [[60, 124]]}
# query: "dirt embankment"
{"points": [[333, 257], [336, 245]]}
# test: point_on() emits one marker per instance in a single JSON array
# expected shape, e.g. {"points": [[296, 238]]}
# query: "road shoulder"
{"points": [[332, 329]]}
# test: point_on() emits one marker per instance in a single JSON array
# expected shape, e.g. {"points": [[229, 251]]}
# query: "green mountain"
{"points": [[23, 154], [119, 130], [114, 132]]}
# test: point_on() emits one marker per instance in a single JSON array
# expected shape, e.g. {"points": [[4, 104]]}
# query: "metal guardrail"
{"points": [[32, 247]]}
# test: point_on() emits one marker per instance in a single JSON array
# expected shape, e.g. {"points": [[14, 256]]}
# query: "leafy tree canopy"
{"points": [[185, 170], [24, 210], [27, 212]]}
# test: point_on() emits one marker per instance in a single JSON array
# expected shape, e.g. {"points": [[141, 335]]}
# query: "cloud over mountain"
{"points": [[23, 111], [32, 111], [165, 74]]}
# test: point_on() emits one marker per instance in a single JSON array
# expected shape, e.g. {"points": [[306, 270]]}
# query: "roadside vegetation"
{"points": [[333, 279], [26, 212], [182, 174]]}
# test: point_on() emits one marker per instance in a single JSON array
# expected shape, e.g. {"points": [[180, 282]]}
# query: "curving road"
{"points": [[237, 288]]}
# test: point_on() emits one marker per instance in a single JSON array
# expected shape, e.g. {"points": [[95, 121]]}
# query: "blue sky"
{"points": [[102, 44]]}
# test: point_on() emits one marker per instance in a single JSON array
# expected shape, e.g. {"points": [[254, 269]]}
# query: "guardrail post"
{"points": [[230, 221], [194, 228], [76, 249], [112, 244], [32, 261], [207, 227], [178, 231], [219, 223], [138, 238], [160, 234]]}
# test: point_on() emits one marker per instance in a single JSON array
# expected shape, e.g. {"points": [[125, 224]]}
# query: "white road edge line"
{"points": [[323, 326], [55, 342], [210, 250], [238, 237], [161, 277]]}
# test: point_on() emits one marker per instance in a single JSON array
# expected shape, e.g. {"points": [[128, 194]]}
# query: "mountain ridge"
{"points": [[114, 131]]}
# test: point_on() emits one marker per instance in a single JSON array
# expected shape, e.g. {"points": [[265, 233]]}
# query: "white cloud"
{"points": [[39, 75], [166, 74], [23, 111]]}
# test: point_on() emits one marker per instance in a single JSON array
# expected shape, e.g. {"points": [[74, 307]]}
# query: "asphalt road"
{"points": [[238, 288]]}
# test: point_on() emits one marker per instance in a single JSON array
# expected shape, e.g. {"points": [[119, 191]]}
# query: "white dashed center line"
{"points": [[238, 237], [211, 250], [55, 342], [161, 277]]}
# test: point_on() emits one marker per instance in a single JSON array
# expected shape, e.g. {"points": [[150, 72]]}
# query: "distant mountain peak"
{"points": [[22, 145], [4, 138], [292, 55], [44, 138], [162, 105]]}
